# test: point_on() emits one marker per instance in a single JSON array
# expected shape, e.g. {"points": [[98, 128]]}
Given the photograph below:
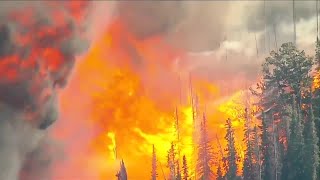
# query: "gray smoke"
{"points": [[28, 96], [275, 18], [279, 12], [197, 27], [192, 25], [38, 44], [17, 139]]}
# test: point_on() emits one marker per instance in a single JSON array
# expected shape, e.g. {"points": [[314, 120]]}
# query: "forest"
{"points": [[281, 132], [281, 127], [160, 90]]}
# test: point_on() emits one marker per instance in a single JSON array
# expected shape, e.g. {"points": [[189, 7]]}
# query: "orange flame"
{"points": [[136, 105]]}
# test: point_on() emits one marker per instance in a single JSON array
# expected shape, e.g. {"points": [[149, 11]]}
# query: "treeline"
{"points": [[289, 115], [281, 130]]}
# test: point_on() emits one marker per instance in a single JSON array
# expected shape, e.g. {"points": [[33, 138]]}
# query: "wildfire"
{"points": [[126, 96], [112, 147], [316, 81], [132, 106]]}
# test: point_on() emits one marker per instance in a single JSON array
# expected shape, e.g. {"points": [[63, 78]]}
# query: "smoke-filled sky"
{"points": [[144, 45], [235, 35], [206, 24], [222, 27]]}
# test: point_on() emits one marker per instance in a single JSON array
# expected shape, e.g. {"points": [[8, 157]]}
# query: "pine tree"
{"points": [[248, 168], [295, 145], [185, 168], [276, 150], [316, 96], [285, 73], [172, 162], [266, 150], [219, 173], [284, 158], [178, 174], [317, 56], [205, 156], [154, 173], [257, 154], [122, 173], [231, 171], [311, 151]]}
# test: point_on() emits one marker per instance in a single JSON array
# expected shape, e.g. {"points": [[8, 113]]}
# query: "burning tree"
{"points": [[205, 153], [231, 159], [248, 166], [266, 143], [285, 77], [219, 173], [171, 162], [154, 173], [316, 94], [251, 164], [185, 168], [257, 153]]}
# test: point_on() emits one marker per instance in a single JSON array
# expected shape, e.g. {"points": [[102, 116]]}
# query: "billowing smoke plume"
{"points": [[37, 55], [38, 44], [39, 41], [215, 33], [241, 32], [191, 25], [199, 27]]}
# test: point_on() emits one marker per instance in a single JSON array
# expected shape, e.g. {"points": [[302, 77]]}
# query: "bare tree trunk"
{"points": [[317, 13], [275, 37], [226, 50], [294, 23], [192, 102], [269, 41], [164, 176], [265, 25], [275, 150], [259, 155], [255, 38]]}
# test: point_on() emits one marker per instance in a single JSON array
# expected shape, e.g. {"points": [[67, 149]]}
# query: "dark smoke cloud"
{"points": [[38, 44], [148, 18], [48, 53]]}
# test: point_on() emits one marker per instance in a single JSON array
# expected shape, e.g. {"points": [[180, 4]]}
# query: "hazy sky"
{"points": [[236, 36], [205, 24]]}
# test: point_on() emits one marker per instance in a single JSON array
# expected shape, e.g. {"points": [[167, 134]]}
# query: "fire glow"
{"points": [[130, 117], [149, 93]]}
